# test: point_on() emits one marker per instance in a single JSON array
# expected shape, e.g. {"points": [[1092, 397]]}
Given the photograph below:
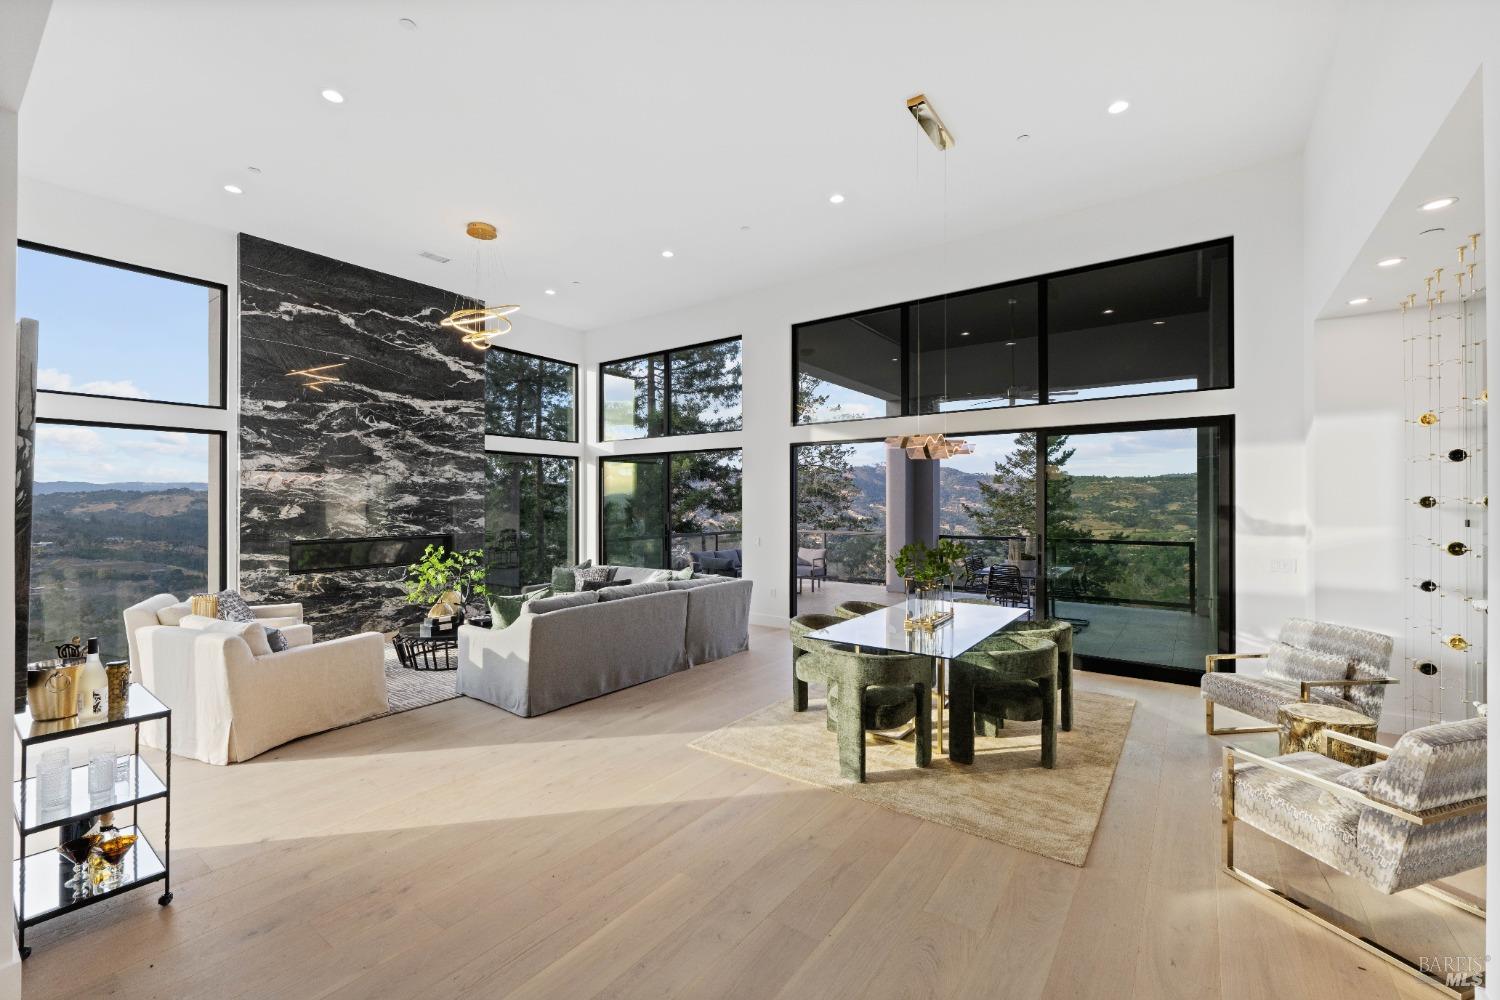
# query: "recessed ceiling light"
{"points": [[1389, 262], [1118, 106], [963, 333], [1437, 203], [1359, 301], [668, 253], [1158, 322], [549, 291], [836, 199], [333, 96], [1010, 343], [895, 359], [234, 189], [1108, 312]]}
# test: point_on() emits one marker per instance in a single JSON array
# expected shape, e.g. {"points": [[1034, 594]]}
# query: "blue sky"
{"points": [[114, 332], [119, 455]]}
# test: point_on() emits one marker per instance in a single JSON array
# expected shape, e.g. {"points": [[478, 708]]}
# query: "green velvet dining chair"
{"points": [[1012, 679], [857, 609], [872, 691]]}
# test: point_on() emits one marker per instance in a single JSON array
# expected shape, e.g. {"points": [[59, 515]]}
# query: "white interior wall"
{"points": [[1396, 72], [1260, 207]]}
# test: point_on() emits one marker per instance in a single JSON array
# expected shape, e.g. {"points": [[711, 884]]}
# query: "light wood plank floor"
{"points": [[458, 851]]}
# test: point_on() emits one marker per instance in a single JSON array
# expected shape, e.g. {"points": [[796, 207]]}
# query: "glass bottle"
{"points": [[93, 684]]}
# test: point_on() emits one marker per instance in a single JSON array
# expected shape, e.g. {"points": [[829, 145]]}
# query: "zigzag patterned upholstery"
{"points": [[1431, 767], [1309, 651]]}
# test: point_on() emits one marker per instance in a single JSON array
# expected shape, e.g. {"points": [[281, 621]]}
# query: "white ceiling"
{"points": [[1452, 166], [596, 134]]}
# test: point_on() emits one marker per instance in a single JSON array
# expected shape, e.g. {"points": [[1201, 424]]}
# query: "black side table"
{"points": [[416, 652]]}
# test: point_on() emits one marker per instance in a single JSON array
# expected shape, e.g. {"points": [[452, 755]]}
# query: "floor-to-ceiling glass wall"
{"points": [[841, 526], [669, 509], [1137, 546], [530, 525]]}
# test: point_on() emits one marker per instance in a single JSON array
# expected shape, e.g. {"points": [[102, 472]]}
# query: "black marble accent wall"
{"points": [[395, 447]]}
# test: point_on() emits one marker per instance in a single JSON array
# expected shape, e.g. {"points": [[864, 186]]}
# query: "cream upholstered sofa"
{"points": [[231, 697]]}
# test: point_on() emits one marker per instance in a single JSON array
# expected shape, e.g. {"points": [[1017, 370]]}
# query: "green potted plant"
{"points": [[447, 579]]}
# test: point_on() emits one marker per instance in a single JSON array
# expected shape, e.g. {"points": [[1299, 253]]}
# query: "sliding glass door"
{"points": [[1138, 541], [1122, 529]]}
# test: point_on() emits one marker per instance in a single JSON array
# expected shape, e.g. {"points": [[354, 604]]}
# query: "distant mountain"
{"points": [[1163, 507], [66, 486]]}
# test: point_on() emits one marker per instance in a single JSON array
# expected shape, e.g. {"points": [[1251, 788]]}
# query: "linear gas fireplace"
{"points": [[330, 555]]}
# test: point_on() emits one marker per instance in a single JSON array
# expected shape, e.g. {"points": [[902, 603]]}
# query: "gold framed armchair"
{"points": [[1310, 661], [1405, 822]]}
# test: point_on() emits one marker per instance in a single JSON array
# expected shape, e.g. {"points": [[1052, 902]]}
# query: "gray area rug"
{"points": [[409, 689]]}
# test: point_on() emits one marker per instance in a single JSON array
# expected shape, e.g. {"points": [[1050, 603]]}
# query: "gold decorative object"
{"points": [[930, 446], [927, 118], [1457, 548], [206, 605], [1301, 725], [1428, 419], [317, 377], [448, 603], [1457, 642], [51, 690], [928, 623], [480, 325]]}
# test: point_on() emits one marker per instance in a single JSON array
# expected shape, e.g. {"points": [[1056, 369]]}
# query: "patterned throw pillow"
{"points": [[595, 574], [564, 578], [232, 608]]}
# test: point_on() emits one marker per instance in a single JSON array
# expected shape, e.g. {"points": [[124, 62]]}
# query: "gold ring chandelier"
{"points": [[480, 325]]}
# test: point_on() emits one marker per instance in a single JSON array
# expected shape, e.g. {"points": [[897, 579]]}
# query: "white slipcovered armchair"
{"points": [[231, 697]]}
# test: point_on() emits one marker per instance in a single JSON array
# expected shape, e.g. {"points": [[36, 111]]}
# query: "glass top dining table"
{"points": [[970, 625]]}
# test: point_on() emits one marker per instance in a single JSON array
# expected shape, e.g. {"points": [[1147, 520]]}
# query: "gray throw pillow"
{"points": [[233, 608], [597, 574]]}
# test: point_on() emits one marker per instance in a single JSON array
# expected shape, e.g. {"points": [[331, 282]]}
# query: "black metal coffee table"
{"points": [[416, 651]]}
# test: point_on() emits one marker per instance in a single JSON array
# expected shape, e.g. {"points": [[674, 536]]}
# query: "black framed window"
{"points": [[1158, 323], [121, 331], [119, 513], [688, 390], [656, 510], [1126, 530], [529, 396], [530, 518]]}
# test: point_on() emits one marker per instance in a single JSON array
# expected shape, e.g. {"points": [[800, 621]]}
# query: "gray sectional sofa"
{"points": [[573, 647]]}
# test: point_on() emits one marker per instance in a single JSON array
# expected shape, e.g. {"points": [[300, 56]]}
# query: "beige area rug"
{"points": [[1006, 795]]}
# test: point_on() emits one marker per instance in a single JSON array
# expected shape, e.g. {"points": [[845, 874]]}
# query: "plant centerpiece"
{"points": [[925, 570], [446, 578]]}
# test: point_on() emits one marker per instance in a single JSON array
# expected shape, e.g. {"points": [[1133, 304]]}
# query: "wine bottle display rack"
{"points": [[1446, 398]]}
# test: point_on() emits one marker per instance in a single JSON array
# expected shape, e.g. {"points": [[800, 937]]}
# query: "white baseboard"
{"points": [[769, 621]]}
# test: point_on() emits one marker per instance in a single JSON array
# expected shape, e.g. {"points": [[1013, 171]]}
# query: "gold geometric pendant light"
{"points": [[480, 326]]}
